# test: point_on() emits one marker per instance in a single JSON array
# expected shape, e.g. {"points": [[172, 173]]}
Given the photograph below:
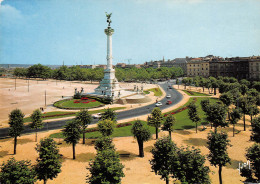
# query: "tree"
{"points": [[214, 84], [216, 114], [185, 82], [84, 119], [217, 145], [193, 114], [17, 172], [252, 174], [16, 125], [155, 119], [227, 99], [48, 164], [108, 114], [177, 82], [106, 127], [191, 167], [168, 124], [142, 134], [255, 135], [36, 122], [243, 89], [105, 168], [243, 105], [253, 155], [163, 156], [235, 115], [204, 104], [72, 133], [104, 143], [252, 110]]}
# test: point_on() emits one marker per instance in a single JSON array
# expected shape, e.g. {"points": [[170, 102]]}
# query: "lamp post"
{"points": [[28, 85], [15, 83], [45, 98]]}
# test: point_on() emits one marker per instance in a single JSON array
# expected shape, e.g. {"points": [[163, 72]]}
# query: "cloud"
{"points": [[10, 15]]}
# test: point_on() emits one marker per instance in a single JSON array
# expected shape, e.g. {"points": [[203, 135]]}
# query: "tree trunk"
{"points": [[215, 91], [244, 122], [219, 174], [215, 129], [185, 86], [167, 179], [196, 127], [141, 148], [233, 130], [36, 135], [73, 148], [15, 142], [203, 89], [84, 136], [228, 115], [45, 181], [170, 135], [251, 118], [156, 130], [210, 125]]}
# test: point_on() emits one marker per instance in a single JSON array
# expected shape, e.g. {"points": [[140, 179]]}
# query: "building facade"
{"points": [[254, 68]]}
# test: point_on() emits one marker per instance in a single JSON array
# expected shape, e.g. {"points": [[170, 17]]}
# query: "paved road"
{"points": [[175, 98]]}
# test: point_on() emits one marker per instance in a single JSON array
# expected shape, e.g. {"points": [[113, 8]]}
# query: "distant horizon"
{"points": [[114, 63], [52, 32]]}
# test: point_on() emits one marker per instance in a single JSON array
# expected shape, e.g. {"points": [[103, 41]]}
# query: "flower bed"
{"points": [[190, 92], [54, 115], [181, 109]]}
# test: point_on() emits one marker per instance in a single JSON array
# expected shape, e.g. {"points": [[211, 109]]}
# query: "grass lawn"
{"points": [[118, 132], [157, 91], [195, 93], [71, 104], [182, 118], [63, 114]]}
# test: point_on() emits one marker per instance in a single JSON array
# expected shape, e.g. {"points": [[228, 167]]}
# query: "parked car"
{"points": [[169, 102], [170, 87], [97, 116], [168, 96], [158, 104]]}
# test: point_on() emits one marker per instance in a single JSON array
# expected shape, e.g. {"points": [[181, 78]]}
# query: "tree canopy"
{"points": [[142, 134], [17, 172], [48, 164], [155, 119], [16, 123]]}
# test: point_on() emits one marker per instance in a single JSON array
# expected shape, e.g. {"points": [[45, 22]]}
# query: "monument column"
{"points": [[109, 31]]}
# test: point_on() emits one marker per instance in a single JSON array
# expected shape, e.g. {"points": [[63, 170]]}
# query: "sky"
{"points": [[53, 31]]}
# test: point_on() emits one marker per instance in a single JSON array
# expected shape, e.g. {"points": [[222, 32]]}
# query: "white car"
{"points": [[158, 104], [168, 96], [97, 116]]}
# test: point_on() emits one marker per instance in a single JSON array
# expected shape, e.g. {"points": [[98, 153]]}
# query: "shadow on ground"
{"points": [[6, 139], [24, 141], [3, 153], [234, 164], [85, 157], [148, 148], [182, 132], [196, 142], [126, 155]]}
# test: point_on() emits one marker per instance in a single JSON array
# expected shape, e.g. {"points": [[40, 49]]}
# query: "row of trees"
{"points": [[83, 74], [224, 84], [216, 115]]}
